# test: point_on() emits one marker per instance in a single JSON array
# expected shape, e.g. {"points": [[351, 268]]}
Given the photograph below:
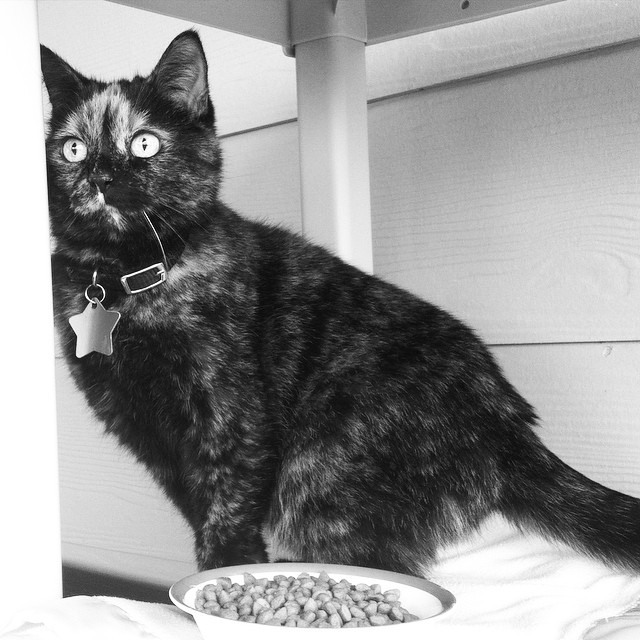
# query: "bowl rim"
{"points": [[179, 589]]}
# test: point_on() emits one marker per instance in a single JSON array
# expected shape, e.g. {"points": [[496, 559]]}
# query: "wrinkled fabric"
{"points": [[514, 586], [101, 618], [508, 586]]}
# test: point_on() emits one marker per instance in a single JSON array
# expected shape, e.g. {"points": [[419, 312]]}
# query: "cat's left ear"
{"points": [[181, 76]]}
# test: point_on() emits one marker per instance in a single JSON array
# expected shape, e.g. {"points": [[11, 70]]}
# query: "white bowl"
{"points": [[420, 597]]}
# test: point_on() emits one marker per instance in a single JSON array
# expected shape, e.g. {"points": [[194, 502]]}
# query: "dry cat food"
{"points": [[304, 601]]}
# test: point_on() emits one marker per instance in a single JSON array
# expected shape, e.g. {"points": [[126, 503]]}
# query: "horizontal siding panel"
{"points": [[139, 566], [513, 201], [502, 42], [114, 518], [261, 175], [587, 399], [253, 83]]}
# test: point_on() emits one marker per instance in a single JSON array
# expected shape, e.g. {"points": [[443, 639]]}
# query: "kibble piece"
{"points": [[311, 605], [309, 616], [335, 620], [248, 578], [378, 620], [260, 605], [384, 607], [246, 599], [225, 583], [212, 607], [396, 614], [371, 609], [281, 613], [345, 613], [229, 614], [264, 616], [277, 601], [209, 592], [275, 622], [357, 612], [245, 610], [392, 595]]}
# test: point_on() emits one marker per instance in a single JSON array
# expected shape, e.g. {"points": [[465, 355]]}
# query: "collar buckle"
{"points": [[144, 279]]}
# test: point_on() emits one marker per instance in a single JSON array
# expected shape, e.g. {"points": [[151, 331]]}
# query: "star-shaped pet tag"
{"points": [[94, 328]]}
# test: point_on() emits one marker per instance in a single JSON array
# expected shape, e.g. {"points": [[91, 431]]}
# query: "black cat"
{"points": [[290, 405]]}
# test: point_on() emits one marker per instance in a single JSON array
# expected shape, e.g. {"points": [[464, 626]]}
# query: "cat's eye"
{"points": [[74, 150], [145, 145]]}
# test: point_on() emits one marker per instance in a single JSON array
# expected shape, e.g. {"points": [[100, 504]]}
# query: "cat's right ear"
{"points": [[63, 82]]}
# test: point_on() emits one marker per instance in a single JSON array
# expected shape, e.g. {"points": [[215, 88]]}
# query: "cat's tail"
{"points": [[552, 498]]}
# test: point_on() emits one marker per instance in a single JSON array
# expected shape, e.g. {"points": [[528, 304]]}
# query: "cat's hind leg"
{"points": [[328, 509]]}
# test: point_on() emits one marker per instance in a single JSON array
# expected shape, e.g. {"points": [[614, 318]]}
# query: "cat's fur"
{"points": [[280, 396]]}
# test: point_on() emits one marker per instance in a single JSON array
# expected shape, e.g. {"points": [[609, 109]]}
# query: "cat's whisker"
{"points": [[72, 217], [166, 205], [165, 221]]}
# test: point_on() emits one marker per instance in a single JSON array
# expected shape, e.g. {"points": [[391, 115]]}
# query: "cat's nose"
{"points": [[102, 180]]}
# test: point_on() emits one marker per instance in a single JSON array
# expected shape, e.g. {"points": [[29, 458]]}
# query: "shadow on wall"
{"points": [[77, 581]]}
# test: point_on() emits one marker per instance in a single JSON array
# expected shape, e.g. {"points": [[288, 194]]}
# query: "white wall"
{"points": [[511, 199]]}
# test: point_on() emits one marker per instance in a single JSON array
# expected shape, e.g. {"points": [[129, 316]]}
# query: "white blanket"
{"points": [[512, 586], [102, 618], [508, 586]]}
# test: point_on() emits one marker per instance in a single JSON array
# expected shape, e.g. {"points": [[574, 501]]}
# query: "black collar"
{"points": [[112, 280]]}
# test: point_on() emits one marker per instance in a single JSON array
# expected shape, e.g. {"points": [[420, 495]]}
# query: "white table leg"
{"points": [[332, 115]]}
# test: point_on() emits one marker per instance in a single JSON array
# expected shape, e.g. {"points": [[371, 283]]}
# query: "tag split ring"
{"points": [[94, 283]]}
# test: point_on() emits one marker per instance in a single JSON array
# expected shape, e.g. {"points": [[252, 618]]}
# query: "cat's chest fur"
{"points": [[178, 361]]}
